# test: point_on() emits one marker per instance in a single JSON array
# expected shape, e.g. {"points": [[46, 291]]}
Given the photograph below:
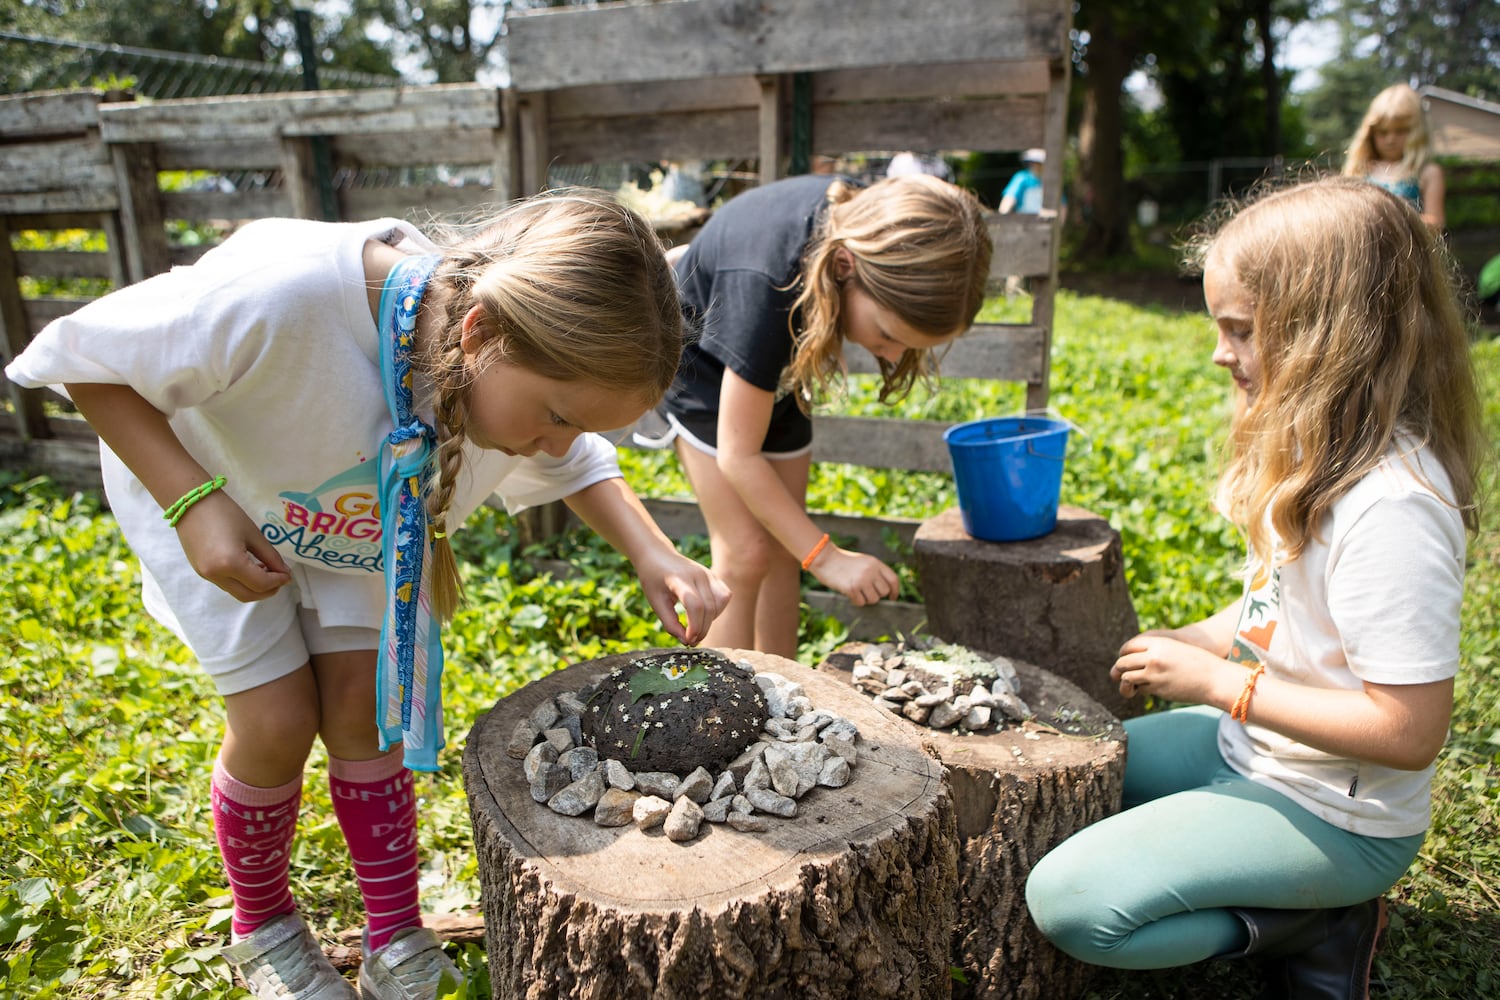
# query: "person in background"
{"points": [[1023, 196], [1269, 816], [1392, 148], [290, 430], [778, 282]]}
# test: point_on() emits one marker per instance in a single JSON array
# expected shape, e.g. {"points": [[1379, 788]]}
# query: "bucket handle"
{"points": [[1051, 414]]}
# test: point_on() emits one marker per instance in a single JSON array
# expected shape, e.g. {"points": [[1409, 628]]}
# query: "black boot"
{"points": [[1323, 954]]}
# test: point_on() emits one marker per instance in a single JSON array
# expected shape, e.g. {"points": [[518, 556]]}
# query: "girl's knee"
{"points": [[745, 561]]}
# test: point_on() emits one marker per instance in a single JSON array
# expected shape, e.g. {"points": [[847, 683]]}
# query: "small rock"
{"points": [[740, 804], [522, 738], [783, 774], [890, 706], [697, 786], [580, 761], [617, 775], [843, 746], [662, 784], [915, 712], [766, 800], [757, 777], [649, 812], [798, 705], [835, 773], [561, 739], [550, 779], [740, 766], [978, 718], [943, 715], [545, 716], [1007, 672], [568, 703], [896, 678], [683, 821], [842, 728], [746, 823], [981, 696], [616, 807], [896, 694], [541, 755], [930, 700], [1012, 706], [723, 788], [716, 810], [579, 797]]}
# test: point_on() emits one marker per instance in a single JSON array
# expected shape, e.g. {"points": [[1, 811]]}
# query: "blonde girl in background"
{"points": [[1391, 149], [291, 428], [776, 284], [1270, 817]]}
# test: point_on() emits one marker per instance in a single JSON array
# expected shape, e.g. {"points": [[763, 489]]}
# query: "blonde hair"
{"points": [[920, 249], [1396, 106], [1360, 340], [573, 287]]}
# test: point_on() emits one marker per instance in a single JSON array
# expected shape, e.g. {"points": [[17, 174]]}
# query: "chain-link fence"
{"points": [[32, 63]]}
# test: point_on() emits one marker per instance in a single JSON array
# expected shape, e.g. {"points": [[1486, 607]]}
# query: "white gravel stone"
{"points": [[835, 773], [683, 821], [765, 800], [662, 784], [617, 775], [747, 823], [649, 812], [697, 786]]}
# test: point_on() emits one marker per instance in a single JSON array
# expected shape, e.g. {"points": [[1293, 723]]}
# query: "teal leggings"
{"points": [[1149, 887]]}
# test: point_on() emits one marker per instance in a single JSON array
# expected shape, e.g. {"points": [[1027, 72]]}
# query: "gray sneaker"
{"points": [[411, 967], [282, 961]]}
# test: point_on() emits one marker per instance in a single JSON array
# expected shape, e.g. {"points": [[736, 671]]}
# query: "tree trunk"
{"points": [[1018, 792], [1101, 143], [854, 897]]}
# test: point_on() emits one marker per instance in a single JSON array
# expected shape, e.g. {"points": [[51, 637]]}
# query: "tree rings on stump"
{"points": [[853, 897]]}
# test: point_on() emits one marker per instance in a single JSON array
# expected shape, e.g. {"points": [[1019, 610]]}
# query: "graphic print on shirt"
{"points": [[336, 524], [1258, 617]]}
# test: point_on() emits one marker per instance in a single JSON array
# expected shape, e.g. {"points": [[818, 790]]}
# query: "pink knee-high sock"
{"points": [[254, 827], [376, 806]]}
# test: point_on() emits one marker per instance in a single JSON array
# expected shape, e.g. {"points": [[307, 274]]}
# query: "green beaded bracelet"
{"points": [[174, 513]]}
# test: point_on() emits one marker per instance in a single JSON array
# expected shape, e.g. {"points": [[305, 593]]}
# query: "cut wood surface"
{"points": [[1017, 793], [854, 897]]}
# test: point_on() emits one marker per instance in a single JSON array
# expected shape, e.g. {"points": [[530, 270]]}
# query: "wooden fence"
{"points": [[682, 79]]}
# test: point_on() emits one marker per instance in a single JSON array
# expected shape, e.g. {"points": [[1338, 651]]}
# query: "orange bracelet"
{"points": [[1240, 712], [816, 549]]}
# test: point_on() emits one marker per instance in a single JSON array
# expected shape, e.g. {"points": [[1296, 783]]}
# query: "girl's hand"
{"points": [[1174, 670], [226, 548], [861, 578], [670, 579]]}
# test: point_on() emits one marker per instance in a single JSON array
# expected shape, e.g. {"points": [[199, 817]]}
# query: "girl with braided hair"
{"points": [[290, 428]]}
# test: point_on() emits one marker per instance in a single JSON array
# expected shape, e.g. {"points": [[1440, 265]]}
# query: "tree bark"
{"points": [[854, 897], [1018, 792], [1101, 142], [1060, 601]]}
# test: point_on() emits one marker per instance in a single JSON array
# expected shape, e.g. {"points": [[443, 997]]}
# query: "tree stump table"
{"points": [[1060, 601], [853, 897], [1018, 792]]}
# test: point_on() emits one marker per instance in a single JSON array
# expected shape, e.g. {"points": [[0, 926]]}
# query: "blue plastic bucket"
{"points": [[1008, 472]]}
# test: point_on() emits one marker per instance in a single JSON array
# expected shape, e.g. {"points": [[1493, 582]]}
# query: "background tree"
{"points": [[1453, 44]]}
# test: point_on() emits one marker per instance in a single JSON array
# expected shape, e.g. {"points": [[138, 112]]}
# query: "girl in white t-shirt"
{"points": [[290, 429], [1270, 818]]}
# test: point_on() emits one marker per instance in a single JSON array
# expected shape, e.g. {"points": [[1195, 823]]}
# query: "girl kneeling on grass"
{"points": [[777, 282], [1270, 818], [328, 401]]}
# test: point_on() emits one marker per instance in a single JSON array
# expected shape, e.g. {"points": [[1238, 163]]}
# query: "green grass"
{"points": [[109, 880]]}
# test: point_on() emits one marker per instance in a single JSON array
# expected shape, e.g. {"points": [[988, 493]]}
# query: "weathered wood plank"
{"points": [[58, 112], [997, 123], [412, 149], [879, 443], [60, 154], [141, 222], [1004, 351], [1022, 245], [43, 174], [56, 203], [29, 420], [63, 264], [433, 108], [651, 137], [257, 203], [40, 312], [680, 518], [54, 221], [416, 203], [952, 81], [229, 155], [633, 99], [632, 42]]}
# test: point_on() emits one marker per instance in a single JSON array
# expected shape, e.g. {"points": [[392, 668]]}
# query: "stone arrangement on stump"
{"points": [[942, 686], [854, 897], [673, 739]]}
